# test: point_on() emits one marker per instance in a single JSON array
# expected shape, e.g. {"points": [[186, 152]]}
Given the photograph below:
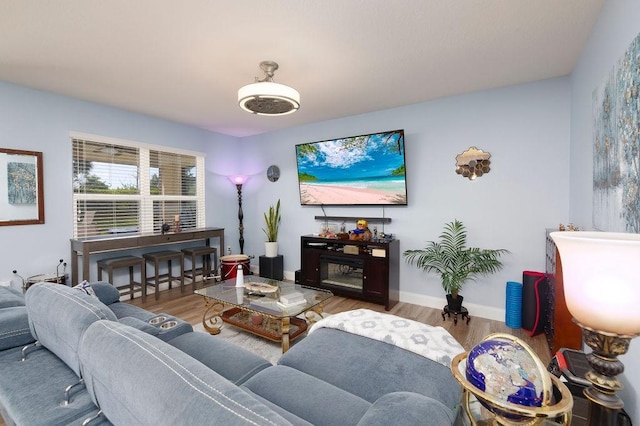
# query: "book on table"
{"points": [[291, 305], [294, 297]]}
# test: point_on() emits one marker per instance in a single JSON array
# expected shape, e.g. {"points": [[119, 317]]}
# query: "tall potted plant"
{"points": [[272, 222], [455, 262]]}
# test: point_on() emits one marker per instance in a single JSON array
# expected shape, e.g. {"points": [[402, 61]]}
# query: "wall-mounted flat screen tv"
{"points": [[357, 170]]}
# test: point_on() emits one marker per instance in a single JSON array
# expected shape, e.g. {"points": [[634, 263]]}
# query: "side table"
{"points": [[271, 267]]}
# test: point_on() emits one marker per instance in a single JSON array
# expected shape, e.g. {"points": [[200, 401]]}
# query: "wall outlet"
{"points": [[228, 249]]}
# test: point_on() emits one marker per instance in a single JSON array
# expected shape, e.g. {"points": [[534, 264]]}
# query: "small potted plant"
{"points": [[272, 222], [455, 262]]}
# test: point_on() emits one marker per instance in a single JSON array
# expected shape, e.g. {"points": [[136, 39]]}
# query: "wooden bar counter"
{"points": [[85, 247]]}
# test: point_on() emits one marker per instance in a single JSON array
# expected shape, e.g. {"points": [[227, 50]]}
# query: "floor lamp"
{"points": [[238, 181], [600, 274]]}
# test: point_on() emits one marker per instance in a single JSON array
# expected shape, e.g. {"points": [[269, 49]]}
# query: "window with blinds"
{"points": [[123, 187]]}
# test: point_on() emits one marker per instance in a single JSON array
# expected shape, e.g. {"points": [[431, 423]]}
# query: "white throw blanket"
{"points": [[431, 342]]}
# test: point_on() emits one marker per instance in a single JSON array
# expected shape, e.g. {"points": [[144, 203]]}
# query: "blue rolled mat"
{"points": [[513, 311]]}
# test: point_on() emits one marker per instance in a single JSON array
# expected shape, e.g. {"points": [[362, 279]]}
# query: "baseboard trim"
{"points": [[481, 311]]}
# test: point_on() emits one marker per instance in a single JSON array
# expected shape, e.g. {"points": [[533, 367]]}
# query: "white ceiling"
{"points": [[185, 60]]}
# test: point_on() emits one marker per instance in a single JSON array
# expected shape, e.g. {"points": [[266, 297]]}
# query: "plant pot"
{"points": [[271, 249], [454, 305]]}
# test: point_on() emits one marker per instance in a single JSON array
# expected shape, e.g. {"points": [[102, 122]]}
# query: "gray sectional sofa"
{"points": [[69, 358]]}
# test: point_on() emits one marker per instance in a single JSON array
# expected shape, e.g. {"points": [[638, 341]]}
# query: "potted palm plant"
{"points": [[272, 222], [455, 262]]}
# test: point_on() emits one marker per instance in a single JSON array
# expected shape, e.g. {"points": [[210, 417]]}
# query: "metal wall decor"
{"points": [[473, 163]]}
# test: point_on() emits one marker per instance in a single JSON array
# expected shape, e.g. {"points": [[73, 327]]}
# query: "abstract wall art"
{"points": [[22, 185], [616, 146]]}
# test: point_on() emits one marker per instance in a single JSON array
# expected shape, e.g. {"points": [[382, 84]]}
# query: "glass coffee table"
{"points": [[264, 307]]}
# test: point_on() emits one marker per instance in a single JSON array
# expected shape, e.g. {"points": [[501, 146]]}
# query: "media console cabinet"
{"points": [[365, 270]]}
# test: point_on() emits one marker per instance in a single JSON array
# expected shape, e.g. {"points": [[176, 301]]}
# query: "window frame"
{"points": [[144, 196]]}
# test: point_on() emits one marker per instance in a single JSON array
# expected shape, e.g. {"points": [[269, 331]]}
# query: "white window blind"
{"points": [[125, 187]]}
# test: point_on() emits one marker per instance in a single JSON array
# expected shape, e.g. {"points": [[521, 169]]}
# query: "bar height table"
{"points": [[85, 247]]}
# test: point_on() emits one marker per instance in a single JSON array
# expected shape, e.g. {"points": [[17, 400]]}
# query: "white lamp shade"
{"points": [[600, 272], [268, 98]]}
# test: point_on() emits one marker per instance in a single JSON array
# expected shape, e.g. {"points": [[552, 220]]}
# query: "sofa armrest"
{"points": [[10, 297], [14, 328], [140, 325], [407, 408]]}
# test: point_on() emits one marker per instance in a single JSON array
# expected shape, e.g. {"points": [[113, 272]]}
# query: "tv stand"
{"points": [[364, 270]]}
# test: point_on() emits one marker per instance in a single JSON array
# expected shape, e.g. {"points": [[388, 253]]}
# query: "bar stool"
{"points": [[193, 253], [130, 262], [161, 256]]}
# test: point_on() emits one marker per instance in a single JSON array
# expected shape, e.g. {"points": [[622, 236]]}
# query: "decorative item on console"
{"points": [[569, 227], [176, 224], [362, 232], [165, 228]]}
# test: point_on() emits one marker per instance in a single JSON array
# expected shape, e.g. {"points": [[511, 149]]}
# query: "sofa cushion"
{"points": [[122, 310], [14, 328], [106, 292], [168, 388], [308, 397], [407, 408], [10, 297], [230, 361], [370, 368], [59, 315]]}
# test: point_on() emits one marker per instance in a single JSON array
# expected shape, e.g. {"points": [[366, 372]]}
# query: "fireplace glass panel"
{"points": [[342, 272]]}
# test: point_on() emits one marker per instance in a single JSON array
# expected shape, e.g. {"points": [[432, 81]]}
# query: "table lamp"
{"points": [[600, 273]]}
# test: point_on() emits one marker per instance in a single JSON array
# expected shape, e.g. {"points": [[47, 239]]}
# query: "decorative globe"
{"points": [[509, 380], [507, 370]]}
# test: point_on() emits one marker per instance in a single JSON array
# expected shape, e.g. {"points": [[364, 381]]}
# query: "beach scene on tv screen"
{"points": [[366, 169]]}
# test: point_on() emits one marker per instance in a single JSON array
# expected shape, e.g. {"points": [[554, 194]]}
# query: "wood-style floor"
{"points": [[190, 307]]}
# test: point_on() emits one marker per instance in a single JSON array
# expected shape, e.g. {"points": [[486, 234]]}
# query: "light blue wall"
{"points": [[526, 130], [39, 121], [617, 26]]}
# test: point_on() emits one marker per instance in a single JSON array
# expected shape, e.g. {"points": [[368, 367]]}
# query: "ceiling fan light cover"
{"points": [[268, 98]]}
